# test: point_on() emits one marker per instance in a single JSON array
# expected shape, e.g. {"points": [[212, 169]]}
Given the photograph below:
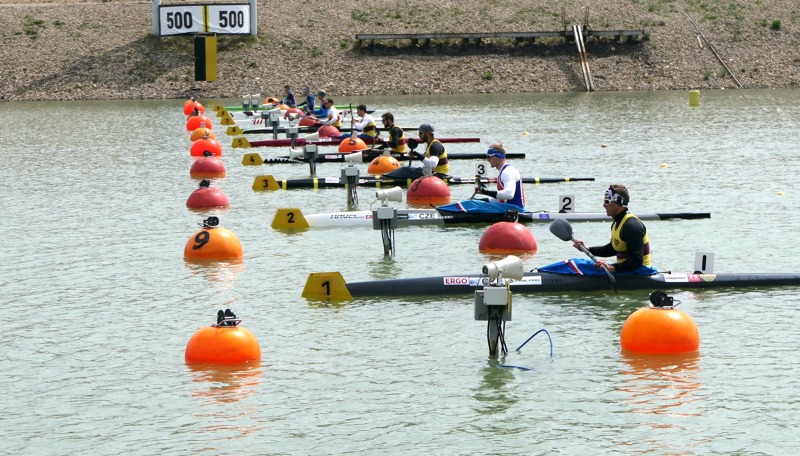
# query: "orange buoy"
{"points": [[223, 343], [428, 190], [382, 165], [507, 237], [327, 131], [659, 330], [201, 132], [306, 121], [189, 108], [206, 197], [196, 122], [351, 144], [271, 100], [205, 144], [284, 107], [296, 112], [213, 243], [207, 166]]}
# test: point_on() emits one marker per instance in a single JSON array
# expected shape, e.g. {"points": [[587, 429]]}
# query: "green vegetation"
{"points": [[32, 27], [776, 25], [488, 76], [315, 52]]}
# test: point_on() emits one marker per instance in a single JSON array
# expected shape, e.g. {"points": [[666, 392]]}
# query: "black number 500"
{"points": [[232, 19], [177, 21]]}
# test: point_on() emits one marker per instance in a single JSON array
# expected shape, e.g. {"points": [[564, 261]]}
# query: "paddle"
{"points": [[563, 230], [412, 144], [479, 184]]}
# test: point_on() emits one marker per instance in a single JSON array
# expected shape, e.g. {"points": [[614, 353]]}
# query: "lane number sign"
{"points": [[222, 19]]}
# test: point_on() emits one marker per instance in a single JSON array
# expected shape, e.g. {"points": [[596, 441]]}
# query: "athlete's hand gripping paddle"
{"points": [[563, 230]]}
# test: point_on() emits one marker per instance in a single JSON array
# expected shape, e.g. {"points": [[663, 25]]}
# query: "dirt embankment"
{"points": [[94, 49]]}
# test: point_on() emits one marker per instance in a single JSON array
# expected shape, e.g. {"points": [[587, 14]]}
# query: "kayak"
{"points": [[264, 131], [366, 156], [292, 218], [300, 142], [384, 181], [333, 286]]}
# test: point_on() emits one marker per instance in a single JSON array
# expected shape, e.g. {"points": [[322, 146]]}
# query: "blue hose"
{"points": [[534, 335]]}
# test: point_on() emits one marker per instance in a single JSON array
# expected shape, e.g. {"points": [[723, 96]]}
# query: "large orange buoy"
{"points": [[382, 164], [207, 166], [202, 132], [205, 144], [507, 237], [189, 107], [271, 101], [206, 197], [327, 131], [196, 122], [659, 329], [351, 144], [224, 343], [284, 107], [213, 243], [306, 121], [428, 190]]}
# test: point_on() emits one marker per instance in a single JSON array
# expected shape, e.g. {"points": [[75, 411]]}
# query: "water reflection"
{"points": [[661, 384], [226, 384], [494, 394], [219, 272]]}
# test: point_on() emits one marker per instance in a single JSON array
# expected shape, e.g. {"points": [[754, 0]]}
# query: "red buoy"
{"points": [[327, 131], [307, 122], [428, 190], [206, 197], [507, 237], [293, 112], [190, 106], [382, 165], [205, 144], [212, 243], [224, 343], [659, 330], [207, 166], [196, 122]]}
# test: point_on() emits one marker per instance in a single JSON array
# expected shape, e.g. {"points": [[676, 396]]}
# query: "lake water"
{"points": [[100, 302]]}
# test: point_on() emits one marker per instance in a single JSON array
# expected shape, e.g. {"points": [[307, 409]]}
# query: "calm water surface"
{"points": [[100, 303]]}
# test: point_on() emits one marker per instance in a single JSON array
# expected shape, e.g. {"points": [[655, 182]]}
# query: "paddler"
{"points": [[366, 126], [435, 154], [509, 182], [308, 101], [629, 240], [397, 137]]}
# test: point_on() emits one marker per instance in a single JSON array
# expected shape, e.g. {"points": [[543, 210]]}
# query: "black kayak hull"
{"points": [[543, 282]]}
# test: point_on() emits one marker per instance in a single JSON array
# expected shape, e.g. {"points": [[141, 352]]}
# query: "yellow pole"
{"points": [[694, 98]]}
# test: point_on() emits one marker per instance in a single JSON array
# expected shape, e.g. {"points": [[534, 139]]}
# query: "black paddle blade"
{"points": [[562, 229], [412, 143]]}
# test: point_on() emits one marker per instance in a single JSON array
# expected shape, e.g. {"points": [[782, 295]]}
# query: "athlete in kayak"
{"points": [[397, 137], [509, 182], [629, 240], [366, 127]]}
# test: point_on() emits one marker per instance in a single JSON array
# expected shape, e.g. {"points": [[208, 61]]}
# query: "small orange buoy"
{"points": [[659, 329], [212, 243], [196, 122], [206, 197], [207, 166], [327, 131], [428, 190], [507, 237], [382, 165], [223, 343], [205, 144], [271, 101], [351, 144], [201, 132]]}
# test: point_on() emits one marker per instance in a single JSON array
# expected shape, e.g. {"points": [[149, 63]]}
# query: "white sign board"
{"points": [[223, 19]]}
